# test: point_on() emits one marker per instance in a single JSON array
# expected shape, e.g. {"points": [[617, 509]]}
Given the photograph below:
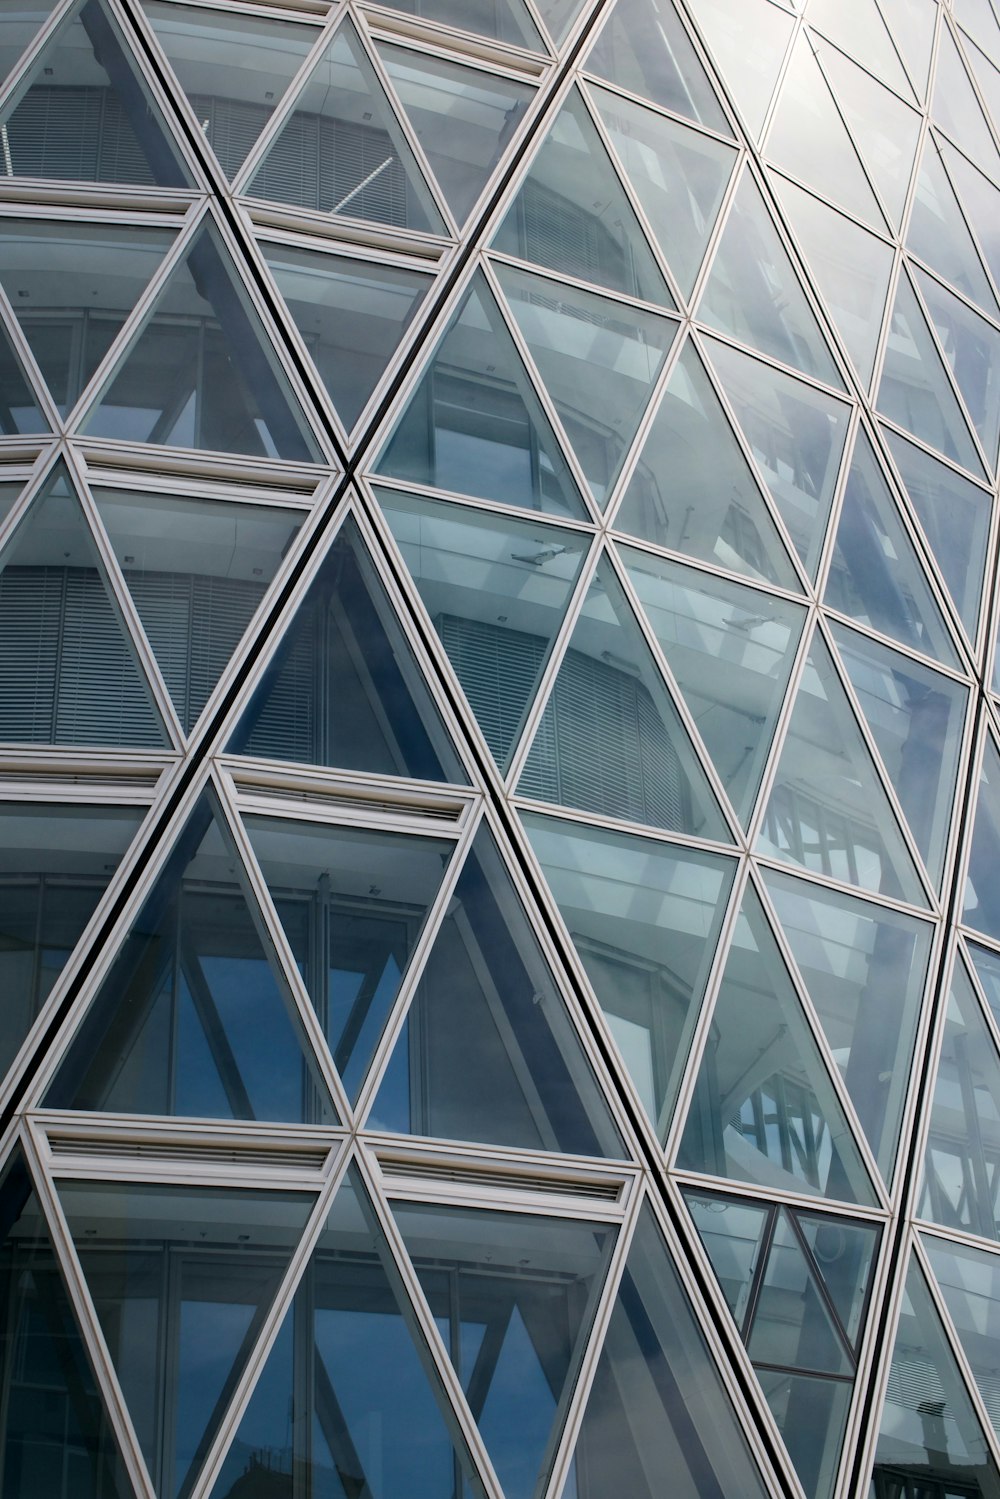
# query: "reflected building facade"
{"points": [[499, 749]]}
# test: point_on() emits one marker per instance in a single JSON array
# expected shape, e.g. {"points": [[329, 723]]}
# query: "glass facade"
{"points": [[499, 749]]}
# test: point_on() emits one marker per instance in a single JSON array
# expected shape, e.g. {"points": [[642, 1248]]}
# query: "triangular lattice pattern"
{"points": [[499, 771]]}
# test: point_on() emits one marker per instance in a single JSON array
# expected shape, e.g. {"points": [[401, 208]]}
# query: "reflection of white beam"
{"points": [[7, 159], [339, 207]]}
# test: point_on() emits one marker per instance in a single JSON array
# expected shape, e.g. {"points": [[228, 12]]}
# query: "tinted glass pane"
{"points": [[226, 1252], [195, 1017], [715, 512], [83, 112], [201, 372], [488, 1051], [611, 740], [72, 287], [341, 150], [475, 424], [731, 653], [197, 571], [764, 1107], [513, 1297], [346, 1403], [963, 1145], [233, 68], [598, 360], [343, 687], [351, 315], [658, 1404], [929, 1431], [496, 590], [57, 1439], [827, 810], [754, 294], [645, 918], [68, 669], [864, 968], [55, 863], [573, 217], [352, 902], [463, 118]]}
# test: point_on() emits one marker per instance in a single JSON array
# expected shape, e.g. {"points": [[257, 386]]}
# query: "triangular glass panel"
{"points": [[196, 570], [747, 40], [598, 360], [808, 139], [851, 268], [10, 490], [83, 112], [20, 413], [978, 21], [969, 1281], [956, 109], [714, 512], [827, 810], [658, 1404], [488, 1051], [679, 176], [474, 423], [972, 348], [501, 20], [463, 118], [885, 130], [912, 25], [19, 25], [57, 1438], [346, 1401], [71, 287], [986, 74], [954, 515], [342, 152], [929, 1431], [645, 917], [981, 902], [514, 1296], [916, 717], [732, 1232], [572, 215], [611, 740], [644, 48], [987, 968], [754, 295], [790, 1319], [796, 434], [764, 1108], [857, 28], [55, 863], [234, 69], [980, 199], [876, 576], [352, 315], [731, 651], [836, 1254], [496, 590], [201, 372], [958, 1188], [353, 902], [181, 1279], [343, 687], [194, 1018], [68, 669], [939, 235], [864, 968]]}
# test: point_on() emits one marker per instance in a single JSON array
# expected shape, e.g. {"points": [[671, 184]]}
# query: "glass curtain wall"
{"points": [[499, 749]]}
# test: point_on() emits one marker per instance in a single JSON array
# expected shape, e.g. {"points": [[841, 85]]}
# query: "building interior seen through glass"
{"points": [[499, 749]]}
